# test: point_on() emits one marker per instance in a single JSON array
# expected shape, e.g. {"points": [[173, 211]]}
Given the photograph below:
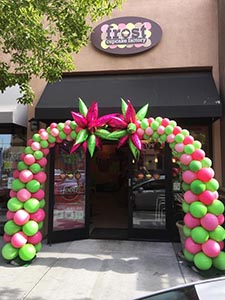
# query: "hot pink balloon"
{"points": [[170, 138], [188, 140], [188, 176], [42, 162], [12, 193], [39, 194], [67, 129], [29, 142], [23, 195], [177, 130], [191, 246], [190, 221], [53, 125], [35, 239], [38, 216], [7, 238], [165, 122], [205, 174], [21, 217], [190, 197], [22, 155], [211, 248], [179, 147], [209, 221], [58, 140], [16, 174], [221, 245], [19, 239], [10, 215], [45, 151], [25, 176], [198, 154], [185, 159], [29, 159], [207, 197], [40, 176], [221, 219]]}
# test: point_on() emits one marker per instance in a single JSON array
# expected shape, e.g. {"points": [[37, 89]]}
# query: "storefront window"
{"points": [[11, 147], [69, 188]]}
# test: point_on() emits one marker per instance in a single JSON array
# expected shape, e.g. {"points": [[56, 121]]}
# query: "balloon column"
{"points": [[203, 210]]}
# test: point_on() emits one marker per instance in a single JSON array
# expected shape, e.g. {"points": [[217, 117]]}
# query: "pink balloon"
{"points": [[209, 221], [35, 239], [165, 122], [54, 132], [170, 138], [10, 215], [35, 146], [67, 129], [177, 130], [21, 217], [12, 193], [29, 142], [185, 159], [207, 197], [188, 176], [221, 245], [58, 140], [68, 122], [68, 138], [211, 248], [190, 197], [7, 238], [22, 155], [29, 159], [221, 219], [39, 194], [19, 239], [190, 221], [40, 176], [161, 129], [205, 174], [51, 145], [140, 132], [44, 135], [149, 131], [179, 147], [191, 246], [53, 125], [188, 140], [16, 174], [45, 151], [23, 195], [25, 176], [198, 154], [38, 216], [42, 162]]}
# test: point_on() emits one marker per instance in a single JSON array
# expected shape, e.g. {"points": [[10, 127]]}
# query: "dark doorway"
{"points": [[109, 193]]}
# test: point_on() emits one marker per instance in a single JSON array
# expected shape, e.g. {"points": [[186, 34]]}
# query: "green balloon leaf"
{"points": [[81, 136], [91, 143], [117, 134], [142, 112], [82, 107], [123, 106]]}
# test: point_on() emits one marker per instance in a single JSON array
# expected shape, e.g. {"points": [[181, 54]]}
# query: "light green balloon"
{"points": [[219, 261], [32, 205], [202, 261], [9, 252], [199, 235], [11, 227], [14, 204], [216, 207], [30, 228], [198, 209], [217, 234], [27, 252], [189, 256], [212, 185]]}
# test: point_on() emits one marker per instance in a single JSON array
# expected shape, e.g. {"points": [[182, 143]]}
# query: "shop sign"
{"points": [[126, 35]]}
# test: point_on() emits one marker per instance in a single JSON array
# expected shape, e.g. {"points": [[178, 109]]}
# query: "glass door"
{"points": [[151, 194], [68, 205]]}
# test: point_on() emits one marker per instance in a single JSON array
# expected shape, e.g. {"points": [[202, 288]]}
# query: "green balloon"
{"points": [[185, 186], [40, 225], [42, 203], [197, 187], [172, 145], [144, 123], [36, 137], [158, 119], [219, 261], [62, 135], [28, 150], [206, 162], [185, 132], [189, 256], [17, 185], [30, 228], [51, 139], [179, 138], [199, 235], [60, 126], [198, 209], [33, 186], [11, 227], [44, 144], [73, 134], [185, 206], [189, 149], [186, 231], [169, 129], [14, 204], [163, 138], [38, 247], [73, 125], [216, 207], [27, 252], [212, 185], [195, 165], [154, 125], [21, 166], [155, 136], [9, 252], [217, 234], [197, 145], [32, 205], [38, 154], [35, 168], [173, 123], [202, 261]]}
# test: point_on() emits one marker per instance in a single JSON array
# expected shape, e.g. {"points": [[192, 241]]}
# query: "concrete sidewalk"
{"points": [[95, 270]]}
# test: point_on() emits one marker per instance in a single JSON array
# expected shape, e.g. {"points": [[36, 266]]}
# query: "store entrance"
{"points": [[109, 193]]}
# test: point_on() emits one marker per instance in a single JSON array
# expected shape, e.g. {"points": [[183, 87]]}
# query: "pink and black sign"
{"points": [[126, 35]]}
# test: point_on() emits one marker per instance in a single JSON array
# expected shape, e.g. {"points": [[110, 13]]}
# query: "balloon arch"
{"points": [[203, 211]]}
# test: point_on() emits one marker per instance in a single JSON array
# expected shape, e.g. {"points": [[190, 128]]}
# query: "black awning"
{"points": [[172, 95]]}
